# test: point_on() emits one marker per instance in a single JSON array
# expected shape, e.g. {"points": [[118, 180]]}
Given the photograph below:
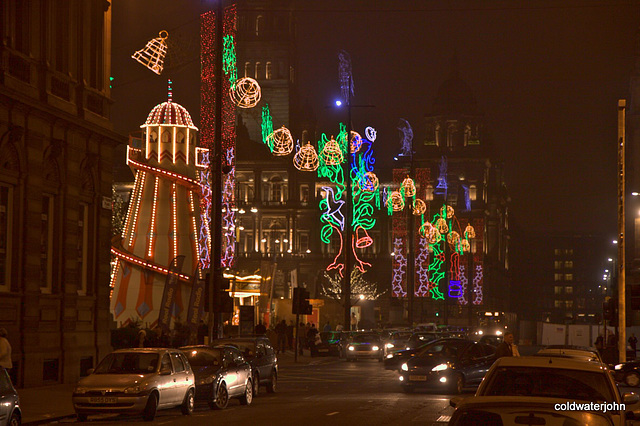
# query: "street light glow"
{"points": [[361, 297], [610, 260], [615, 241], [338, 103], [635, 194]]}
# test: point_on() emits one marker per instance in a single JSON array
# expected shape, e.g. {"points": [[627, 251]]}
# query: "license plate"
{"points": [[104, 400], [418, 378]]}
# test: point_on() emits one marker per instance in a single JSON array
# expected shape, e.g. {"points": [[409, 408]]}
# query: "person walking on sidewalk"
{"points": [[311, 339], [281, 331], [5, 350], [290, 328]]}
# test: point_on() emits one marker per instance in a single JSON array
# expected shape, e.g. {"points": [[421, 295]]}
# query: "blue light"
{"points": [[338, 103], [395, 158]]}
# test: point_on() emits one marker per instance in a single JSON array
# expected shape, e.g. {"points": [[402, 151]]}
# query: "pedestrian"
{"points": [[260, 329], [599, 343], [339, 327], [142, 336], [311, 339], [506, 348], [633, 342], [5, 350], [301, 334], [290, 328], [327, 326], [354, 321], [281, 331]]}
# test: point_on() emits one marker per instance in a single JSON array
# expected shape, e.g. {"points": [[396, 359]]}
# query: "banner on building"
{"points": [[171, 288], [196, 302]]}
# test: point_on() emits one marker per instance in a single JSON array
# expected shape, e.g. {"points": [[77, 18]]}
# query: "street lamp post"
{"points": [[622, 317]]}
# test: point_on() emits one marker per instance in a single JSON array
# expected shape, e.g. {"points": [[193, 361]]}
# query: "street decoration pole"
{"points": [[622, 317]]}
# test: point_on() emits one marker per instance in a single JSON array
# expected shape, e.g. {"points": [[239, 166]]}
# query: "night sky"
{"points": [[546, 74]]}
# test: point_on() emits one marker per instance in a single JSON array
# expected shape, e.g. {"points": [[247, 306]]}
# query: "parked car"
{"points": [[221, 373], [628, 373], [450, 364], [364, 346], [330, 344], [136, 381], [10, 414], [491, 339], [259, 352], [584, 354], [529, 389]]}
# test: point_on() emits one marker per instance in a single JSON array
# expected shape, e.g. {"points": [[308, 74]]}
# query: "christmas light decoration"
{"points": [[306, 159], [331, 153], [355, 141], [370, 133], [469, 232], [359, 286], [406, 137], [453, 238], [346, 77], [246, 93], [229, 60], [464, 285], [408, 187], [369, 182], [267, 127], [281, 141], [419, 207], [396, 201], [152, 56], [441, 187], [441, 225], [422, 268], [399, 268]]}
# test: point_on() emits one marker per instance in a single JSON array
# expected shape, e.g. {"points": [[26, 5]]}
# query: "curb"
{"points": [[48, 420]]}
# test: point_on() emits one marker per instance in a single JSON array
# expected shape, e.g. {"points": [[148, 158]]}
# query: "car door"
{"points": [[7, 397], [166, 384], [244, 371], [180, 377], [229, 365], [472, 362], [269, 361]]}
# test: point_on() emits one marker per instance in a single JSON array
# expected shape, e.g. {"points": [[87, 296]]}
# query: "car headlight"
{"points": [[408, 347], [480, 332], [440, 367], [499, 333], [351, 348], [80, 390], [389, 345], [390, 356], [133, 389], [375, 348], [206, 381], [404, 367], [618, 367]]}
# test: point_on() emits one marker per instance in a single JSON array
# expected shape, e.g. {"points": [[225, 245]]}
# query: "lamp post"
{"points": [[622, 317]]}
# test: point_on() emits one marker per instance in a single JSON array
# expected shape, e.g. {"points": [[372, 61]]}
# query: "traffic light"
{"points": [[300, 304]]}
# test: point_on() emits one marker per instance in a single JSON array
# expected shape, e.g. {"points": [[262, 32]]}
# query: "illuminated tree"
{"points": [[359, 286], [118, 212]]}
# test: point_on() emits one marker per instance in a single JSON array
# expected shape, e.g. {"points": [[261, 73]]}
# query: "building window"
{"points": [[568, 251], [83, 247], [557, 264], [429, 193], [569, 304], [568, 264], [304, 194], [6, 227], [46, 243], [557, 252], [259, 24], [568, 289], [557, 289], [247, 68], [558, 303], [96, 71], [258, 70], [473, 192], [303, 241], [268, 71], [246, 185], [61, 36], [568, 277], [557, 277]]}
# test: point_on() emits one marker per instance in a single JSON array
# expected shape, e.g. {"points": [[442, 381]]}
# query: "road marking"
{"points": [[444, 419], [333, 414]]}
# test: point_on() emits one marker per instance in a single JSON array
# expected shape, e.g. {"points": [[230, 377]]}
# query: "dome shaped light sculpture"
{"points": [[419, 207], [306, 160], [447, 211], [282, 142], [370, 182], [409, 187], [331, 154], [246, 93], [396, 201], [469, 232]]}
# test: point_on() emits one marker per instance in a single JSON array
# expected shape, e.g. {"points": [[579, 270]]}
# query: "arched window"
{"points": [[268, 71], [181, 137], [166, 136], [473, 192], [258, 70], [429, 193], [259, 24], [247, 67]]}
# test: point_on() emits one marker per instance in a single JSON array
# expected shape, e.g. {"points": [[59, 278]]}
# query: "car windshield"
{"points": [[450, 348], [365, 338], [401, 336], [204, 358], [422, 337], [128, 363], [247, 348], [551, 383]]}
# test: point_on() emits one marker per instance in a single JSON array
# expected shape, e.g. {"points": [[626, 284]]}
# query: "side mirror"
{"points": [[630, 398], [165, 371], [455, 401], [91, 370]]}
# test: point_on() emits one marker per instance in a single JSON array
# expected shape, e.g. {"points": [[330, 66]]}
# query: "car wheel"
{"points": [[221, 398], [458, 384], [15, 420], [151, 408], [632, 378], [81, 418], [248, 394], [188, 403], [256, 384], [271, 387]]}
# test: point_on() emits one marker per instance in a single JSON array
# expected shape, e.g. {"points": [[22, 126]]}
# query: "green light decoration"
{"points": [[229, 60], [267, 127]]}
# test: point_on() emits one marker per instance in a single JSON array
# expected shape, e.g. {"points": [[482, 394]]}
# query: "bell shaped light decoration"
{"points": [[363, 239], [442, 226], [447, 211], [370, 182], [469, 232], [419, 207], [465, 246], [152, 56], [409, 187], [430, 232], [355, 141], [246, 93], [282, 142], [331, 153], [396, 201], [453, 238], [306, 159]]}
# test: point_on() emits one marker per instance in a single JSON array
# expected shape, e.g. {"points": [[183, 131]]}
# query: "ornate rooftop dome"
{"points": [[169, 113]]}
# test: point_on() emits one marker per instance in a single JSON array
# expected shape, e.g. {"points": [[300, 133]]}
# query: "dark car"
{"points": [[628, 373], [259, 352], [450, 364], [396, 341], [221, 373], [491, 339], [365, 346], [420, 338], [395, 359], [10, 413], [330, 344]]}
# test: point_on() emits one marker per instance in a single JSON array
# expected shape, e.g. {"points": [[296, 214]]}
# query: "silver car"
{"points": [[137, 381], [10, 414]]}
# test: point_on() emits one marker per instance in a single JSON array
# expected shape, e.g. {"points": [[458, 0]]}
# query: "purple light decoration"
{"points": [[422, 272], [441, 188], [467, 200], [454, 289], [344, 71], [406, 138], [477, 285], [399, 269], [205, 207], [228, 215], [464, 284], [333, 207]]}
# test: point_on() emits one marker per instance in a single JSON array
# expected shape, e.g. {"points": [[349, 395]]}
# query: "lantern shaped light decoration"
{"points": [[469, 232], [396, 201], [331, 153], [430, 232], [465, 246], [447, 211], [306, 159], [419, 207], [355, 141], [409, 187], [246, 93], [442, 226], [453, 238], [370, 182], [282, 142], [152, 56]]}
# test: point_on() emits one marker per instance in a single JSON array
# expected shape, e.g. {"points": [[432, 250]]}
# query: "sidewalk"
{"points": [[42, 405]]}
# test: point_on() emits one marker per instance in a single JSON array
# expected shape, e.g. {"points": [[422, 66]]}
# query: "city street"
{"points": [[327, 391]]}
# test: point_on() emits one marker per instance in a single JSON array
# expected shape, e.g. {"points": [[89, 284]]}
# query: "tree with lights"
{"points": [[118, 214], [359, 286]]}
